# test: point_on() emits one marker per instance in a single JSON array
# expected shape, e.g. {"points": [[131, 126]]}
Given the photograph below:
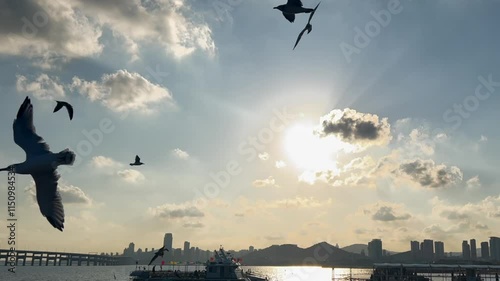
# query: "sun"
{"points": [[310, 152]]}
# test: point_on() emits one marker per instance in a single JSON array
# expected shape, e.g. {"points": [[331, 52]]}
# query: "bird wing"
{"points": [[48, 198], [59, 105], [299, 37], [296, 3], [25, 133], [137, 159], [156, 255], [289, 17], [70, 110], [68, 106], [312, 13]]}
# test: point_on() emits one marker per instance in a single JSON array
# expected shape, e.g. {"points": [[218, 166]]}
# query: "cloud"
{"points": [[42, 88], [104, 162], [124, 92], [428, 174], [483, 138], [176, 211], [473, 183], [269, 182], [263, 156], [300, 202], [385, 211], [193, 225], [280, 164], [44, 30], [171, 24], [70, 194], [354, 127], [180, 154], [131, 176]]}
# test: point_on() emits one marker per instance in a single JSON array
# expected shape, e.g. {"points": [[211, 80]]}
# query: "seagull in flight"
{"points": [[291, 8], [159, 253], [68, 106], [137, 161], [308, 27], [41, 164]]}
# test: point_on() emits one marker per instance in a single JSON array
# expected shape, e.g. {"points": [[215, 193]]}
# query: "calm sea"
{"points": [[108, 273]]}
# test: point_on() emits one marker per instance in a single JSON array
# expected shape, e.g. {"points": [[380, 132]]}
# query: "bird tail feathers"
{"points": [[66, 157]]}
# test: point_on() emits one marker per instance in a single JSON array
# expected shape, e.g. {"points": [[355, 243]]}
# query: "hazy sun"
{"points": [[309, 151]]}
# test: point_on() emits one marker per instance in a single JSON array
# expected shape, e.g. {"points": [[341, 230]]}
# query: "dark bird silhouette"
{"points": [[137, 161], [41, 164], [68, 106], [308, 27], [291, 8], [159, 253]]}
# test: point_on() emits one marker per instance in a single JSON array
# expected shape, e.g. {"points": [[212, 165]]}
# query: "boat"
{"points": [[222, 267]]}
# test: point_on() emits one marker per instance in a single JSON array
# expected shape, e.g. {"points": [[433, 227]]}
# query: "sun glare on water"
{"points": [[310, 152]]}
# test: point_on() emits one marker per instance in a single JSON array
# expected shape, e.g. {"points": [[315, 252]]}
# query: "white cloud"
{"points": [[43, 87], [264, 156], [269, 182], [280, 164], [180, 153], [104, 162], [124, 91], [131, 176], [473, 183]]}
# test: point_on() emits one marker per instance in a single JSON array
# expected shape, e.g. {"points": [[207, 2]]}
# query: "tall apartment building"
{"points": [[375, 249], [485, 250], [439, 250], [428, 250], [473, 249], [465, 250]]}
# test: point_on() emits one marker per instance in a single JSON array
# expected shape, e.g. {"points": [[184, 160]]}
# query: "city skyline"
{"points": [[381, 124]]}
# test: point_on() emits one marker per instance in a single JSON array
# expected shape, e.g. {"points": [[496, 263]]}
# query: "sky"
{"points": [[380, 124]]}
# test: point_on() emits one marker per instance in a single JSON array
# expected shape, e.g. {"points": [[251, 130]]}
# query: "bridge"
{"points": [[24, 257]]}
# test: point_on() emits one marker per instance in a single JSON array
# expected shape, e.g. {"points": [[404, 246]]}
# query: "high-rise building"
{"points": [[251, 249], [375, 249], [465, 250], [428, 250], [495, 248], [186, 252], [168, 241], [439, 250], [473, 249], [485, 251], [415, 249]]}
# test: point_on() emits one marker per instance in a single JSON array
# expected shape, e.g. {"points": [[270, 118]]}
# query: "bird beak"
{"points": [[4, 169], [275, 8]]}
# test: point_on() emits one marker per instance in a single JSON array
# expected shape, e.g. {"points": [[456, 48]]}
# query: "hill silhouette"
{"points": [[321, 254], [356, 248]]}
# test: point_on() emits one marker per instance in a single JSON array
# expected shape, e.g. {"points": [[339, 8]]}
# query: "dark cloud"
{"points": [[355, 127], [454, 215], [174, 211], [386, 213], [428, 174]]}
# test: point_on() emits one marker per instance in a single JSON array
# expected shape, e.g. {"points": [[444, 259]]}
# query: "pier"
{"points": [[44, 258]]}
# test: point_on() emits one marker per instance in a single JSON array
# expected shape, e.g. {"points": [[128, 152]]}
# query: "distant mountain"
{"points": [[356, 248], [321, 254]]}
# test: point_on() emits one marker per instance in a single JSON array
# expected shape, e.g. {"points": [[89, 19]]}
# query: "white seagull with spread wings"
{"points": [[41, 164]]}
